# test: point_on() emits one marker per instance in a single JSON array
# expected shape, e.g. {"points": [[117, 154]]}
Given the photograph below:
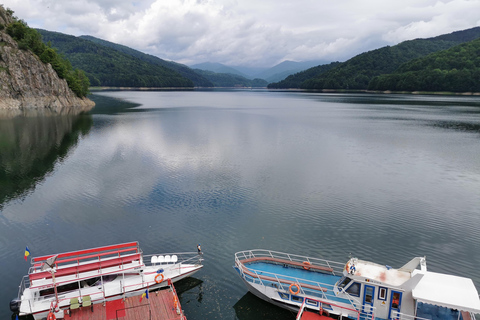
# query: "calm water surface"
{"points": [[381, 177]]}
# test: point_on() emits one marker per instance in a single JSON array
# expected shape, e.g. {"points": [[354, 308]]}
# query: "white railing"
{"points": [[183, 258], [259, 253], [341, 310], [283, 282]]}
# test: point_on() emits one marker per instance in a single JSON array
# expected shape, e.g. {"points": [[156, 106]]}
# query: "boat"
{"points": [[55, 284], [357, 289]]}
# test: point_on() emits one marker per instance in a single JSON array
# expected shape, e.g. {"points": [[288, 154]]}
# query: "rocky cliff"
{"points": [[27, 85]]}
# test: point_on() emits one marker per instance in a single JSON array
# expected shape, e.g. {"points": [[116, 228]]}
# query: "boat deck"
{"points": [[159, 306], [309, 277], [307, 315]]}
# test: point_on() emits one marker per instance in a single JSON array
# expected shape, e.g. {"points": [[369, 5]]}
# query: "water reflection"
{"points": [[31, 146], [185, 290], [252, 307]]}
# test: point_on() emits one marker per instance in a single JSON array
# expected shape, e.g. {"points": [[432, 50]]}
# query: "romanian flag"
{"points": [[144, 295], [27, 253]]}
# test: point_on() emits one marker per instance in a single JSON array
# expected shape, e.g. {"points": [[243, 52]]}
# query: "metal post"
{"points": [[55, 288]]}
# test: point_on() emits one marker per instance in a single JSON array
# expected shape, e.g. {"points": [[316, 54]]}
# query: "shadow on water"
{"points": [[31, 146], [110, 106], [252, 307]]}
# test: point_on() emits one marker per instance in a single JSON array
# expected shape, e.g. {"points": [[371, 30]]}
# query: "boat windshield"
{"points": [[343, 282]]}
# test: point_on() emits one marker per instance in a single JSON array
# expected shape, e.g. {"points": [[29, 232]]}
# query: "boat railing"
{"points": [[286, 283], [24, 284], [403, 316], [76, 262], [100, 296], [336, 268], [344, 311]]}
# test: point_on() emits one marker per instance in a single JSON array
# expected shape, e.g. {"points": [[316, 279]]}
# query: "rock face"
{"points": [[27, 85]]}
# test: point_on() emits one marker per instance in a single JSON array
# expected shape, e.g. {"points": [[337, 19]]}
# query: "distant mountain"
{"points": [[357, 72], [286, 68], [229, 80], [218, 68], [456, 70], [105, 66], [185, 71], [275, 73]]}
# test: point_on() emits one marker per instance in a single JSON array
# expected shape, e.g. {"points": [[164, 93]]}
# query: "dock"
{"points": [[160, 305]]}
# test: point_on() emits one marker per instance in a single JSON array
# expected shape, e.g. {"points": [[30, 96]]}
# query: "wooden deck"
{"points": [[307, 315], [159, 306]]}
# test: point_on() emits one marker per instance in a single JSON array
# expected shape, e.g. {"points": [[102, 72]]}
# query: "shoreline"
{"points": [[438, 93]]}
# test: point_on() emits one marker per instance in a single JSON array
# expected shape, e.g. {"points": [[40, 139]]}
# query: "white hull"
{"points": [[63, 308], [356, 289], [98, 275]]}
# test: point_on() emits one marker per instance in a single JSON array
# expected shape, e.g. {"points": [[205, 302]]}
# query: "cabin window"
{"points": [[368, 294], [343, 282], [311, 302], [60, 289], [326, 306], [354, 289], [284, 296], [382, 293], [109, 278], [395, 300], [297, 299]]}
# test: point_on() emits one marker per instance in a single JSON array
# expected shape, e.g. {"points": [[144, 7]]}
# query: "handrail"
{"points": [[360, 314], [250, 255]]}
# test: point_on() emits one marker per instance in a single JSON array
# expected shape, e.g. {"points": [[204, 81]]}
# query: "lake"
{"points": [[379, 177]]}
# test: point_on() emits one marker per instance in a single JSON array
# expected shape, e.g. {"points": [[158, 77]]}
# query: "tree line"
{"points": [[456, 69]]}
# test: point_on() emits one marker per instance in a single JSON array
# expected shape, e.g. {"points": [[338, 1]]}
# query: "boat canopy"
{"points": [[447, 291]]}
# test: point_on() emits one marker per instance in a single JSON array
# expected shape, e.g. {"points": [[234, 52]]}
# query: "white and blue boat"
{"points": [[357, 289]]}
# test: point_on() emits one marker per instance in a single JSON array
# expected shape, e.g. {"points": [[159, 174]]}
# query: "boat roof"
{"points": [[381, 273], [447, 291], [122, 256]]}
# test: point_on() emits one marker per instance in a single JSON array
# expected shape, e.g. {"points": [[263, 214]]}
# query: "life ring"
{"points": [[347, 268], [294, 292], [159, 275], [51, 316], [306, 265]]}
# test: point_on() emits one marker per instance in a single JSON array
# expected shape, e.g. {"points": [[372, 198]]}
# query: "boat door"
{"points": [[368, 299], [395, 304]]}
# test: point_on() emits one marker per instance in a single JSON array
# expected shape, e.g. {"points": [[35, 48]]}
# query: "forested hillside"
{"points": [[185, 71], [105, 66], [456, 69], [295, 81], [357, 72], [231, 80]]}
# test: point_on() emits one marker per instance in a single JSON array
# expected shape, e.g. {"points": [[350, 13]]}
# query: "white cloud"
{"points": [[250, 32]]}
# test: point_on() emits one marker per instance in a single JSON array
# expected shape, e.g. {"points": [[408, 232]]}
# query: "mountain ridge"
{"points": [[357, 72]]}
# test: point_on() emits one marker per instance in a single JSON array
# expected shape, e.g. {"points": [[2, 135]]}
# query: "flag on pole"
{"points": [[144, 295], [27, 253]]}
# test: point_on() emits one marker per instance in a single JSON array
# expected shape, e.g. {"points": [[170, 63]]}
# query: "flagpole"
{"points": [[55, 288]]}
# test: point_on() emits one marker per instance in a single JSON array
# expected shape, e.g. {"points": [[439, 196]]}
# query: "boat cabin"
{"points": [[390, 293]]}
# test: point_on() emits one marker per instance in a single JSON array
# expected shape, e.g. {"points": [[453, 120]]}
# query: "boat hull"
{"points": [[44, 313], [262, 294]]}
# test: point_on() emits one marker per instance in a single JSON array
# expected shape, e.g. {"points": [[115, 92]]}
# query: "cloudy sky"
{"points": [[258, 33]]}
